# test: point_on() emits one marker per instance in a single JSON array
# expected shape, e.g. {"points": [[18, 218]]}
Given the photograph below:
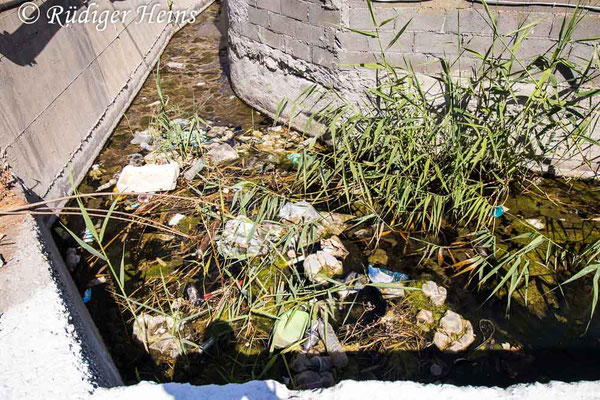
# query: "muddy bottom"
{"points": [[212, 318]]}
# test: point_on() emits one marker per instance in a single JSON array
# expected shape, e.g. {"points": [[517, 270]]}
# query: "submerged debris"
{"points": [[322, 265], [437, 294], [454, 334], [244, 238], [221, 154], [161, 335], [289, 328], [296, 213]]}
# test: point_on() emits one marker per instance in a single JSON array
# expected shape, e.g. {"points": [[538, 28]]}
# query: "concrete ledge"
{"points": [[351, 390], [50, 347]]}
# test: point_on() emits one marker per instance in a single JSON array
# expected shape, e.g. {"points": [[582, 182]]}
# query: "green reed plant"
{"points": [[417, 155]]}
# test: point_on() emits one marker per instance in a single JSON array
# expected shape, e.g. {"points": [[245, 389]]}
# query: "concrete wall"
{"points": [[63, 89], [280, 47]]}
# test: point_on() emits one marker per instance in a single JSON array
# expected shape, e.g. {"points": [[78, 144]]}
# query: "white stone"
{"points": [[148, 178]]}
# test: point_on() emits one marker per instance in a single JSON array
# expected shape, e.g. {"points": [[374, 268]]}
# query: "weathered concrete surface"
{"points": [[279, 48], [63, 90], [50, 346]]}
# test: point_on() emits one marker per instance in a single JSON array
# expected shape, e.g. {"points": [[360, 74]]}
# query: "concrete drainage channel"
{"points": [[50, 347]]}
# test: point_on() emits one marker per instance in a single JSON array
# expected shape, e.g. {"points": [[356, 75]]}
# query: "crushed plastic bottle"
{"points": [[87, 295], [87, 236], [295, 159], [381, 275], [499, 211]]}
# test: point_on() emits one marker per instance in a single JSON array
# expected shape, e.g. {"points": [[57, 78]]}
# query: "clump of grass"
{"points": [[420, 157], [417, 158]]}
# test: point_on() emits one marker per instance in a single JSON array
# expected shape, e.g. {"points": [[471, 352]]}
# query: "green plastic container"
{"points": [[289, 328]]}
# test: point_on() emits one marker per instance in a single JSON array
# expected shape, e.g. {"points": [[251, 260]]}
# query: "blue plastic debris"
{"points": [[87, 295], [381, 275], [294, 158], [87, 236], [135, 205], [498, 211]]}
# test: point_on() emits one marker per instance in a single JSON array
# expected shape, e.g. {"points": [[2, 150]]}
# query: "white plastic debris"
{"points": [[176, 219], [149, 178], [222, 154], [196, 167], [241, 238], [454, 333], [437, 294], [175, 65], [159, 334], [335, 247], [298, 212], [140, 137], [536, 223], [107, 185], [321, 264]]}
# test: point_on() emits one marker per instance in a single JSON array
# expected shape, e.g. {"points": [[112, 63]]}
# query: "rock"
{"points": [[72, 259], [298, 212], [301, 362], [313, 380], [159, 334], [379, 257], [454, 334], [194, 170], [437, 294], [335, 247], [222, 154], [242, 238], [322, 264], [425, 317], [436, 370], [136, 159], [149, 178]]}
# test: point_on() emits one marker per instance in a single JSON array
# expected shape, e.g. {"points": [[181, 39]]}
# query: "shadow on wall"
{"points": [[23, 46]]}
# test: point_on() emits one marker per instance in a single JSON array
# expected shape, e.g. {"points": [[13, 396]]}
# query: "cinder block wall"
{"points": [[280, 47]]}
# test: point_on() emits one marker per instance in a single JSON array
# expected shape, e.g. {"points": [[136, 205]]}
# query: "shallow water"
{"points": [[549, 331]]}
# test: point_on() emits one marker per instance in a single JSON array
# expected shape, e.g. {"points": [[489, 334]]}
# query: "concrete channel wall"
{"points": [[62, 91], [280, 47]]}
